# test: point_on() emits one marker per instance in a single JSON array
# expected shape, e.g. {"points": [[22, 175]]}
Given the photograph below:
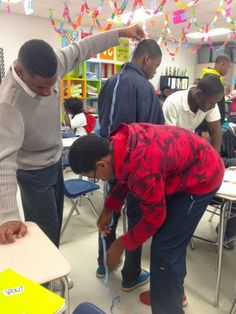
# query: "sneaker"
{"points": [[143, 278], [144, 297], [229, 245], [101, 271]]}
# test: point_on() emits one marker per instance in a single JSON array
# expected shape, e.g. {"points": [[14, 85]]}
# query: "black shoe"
{"points": [[229, 245]]}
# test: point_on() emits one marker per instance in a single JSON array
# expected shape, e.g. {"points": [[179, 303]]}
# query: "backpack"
{"points": [[91, 122]]}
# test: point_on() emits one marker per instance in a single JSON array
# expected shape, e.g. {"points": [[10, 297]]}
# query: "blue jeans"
{"points": [[132, 264], [168, 251], [42, 194]]}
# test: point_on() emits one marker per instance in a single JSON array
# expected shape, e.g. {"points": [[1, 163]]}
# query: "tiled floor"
{"points": [[79, 245]]}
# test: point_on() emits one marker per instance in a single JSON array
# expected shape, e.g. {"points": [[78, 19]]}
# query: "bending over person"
{"points": [[175, 175]]}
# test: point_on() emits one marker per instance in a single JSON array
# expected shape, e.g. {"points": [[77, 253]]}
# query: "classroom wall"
{"points": [[20, 28], [183, 60]]}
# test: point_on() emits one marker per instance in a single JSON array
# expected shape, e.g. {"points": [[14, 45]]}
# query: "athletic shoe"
{"points": [[101, 271], [142, 279], [228, 245], [144, 297]]}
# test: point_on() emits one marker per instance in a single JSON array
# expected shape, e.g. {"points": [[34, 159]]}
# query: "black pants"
{"points": [[42, 194], [168, 251], [132, 264]]}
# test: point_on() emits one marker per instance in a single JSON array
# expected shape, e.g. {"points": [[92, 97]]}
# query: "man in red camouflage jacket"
{"points": [[175, 174]]}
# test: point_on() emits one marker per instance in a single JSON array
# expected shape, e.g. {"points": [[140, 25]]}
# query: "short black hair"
{"points": [[73, 105], [210, 85], [222, 57], [165, 87], [38, 58], [147, 46], [86, 151]]}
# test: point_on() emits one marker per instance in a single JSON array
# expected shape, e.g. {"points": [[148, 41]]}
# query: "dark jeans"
{"points": [[230, 230], [168, 251], [42, 194], [132, 264]]}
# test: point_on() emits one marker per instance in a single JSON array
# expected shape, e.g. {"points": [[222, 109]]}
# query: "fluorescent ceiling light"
{"points": [[212, 33], [11, 1], [139, 16]]}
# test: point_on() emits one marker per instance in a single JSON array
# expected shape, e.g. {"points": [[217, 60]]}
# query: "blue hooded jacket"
{"points": [[135, 100]]}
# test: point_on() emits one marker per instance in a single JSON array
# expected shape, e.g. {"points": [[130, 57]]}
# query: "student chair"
{"points": [[74, 189], [87, 308]]}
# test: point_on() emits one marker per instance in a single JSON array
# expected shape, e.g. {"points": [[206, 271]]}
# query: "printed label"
{"points": [[13, 291]]}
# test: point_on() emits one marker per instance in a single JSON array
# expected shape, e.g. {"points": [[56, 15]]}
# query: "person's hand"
{"points": [[114, 253], [104, 221], [11, 230], [135, 32]]}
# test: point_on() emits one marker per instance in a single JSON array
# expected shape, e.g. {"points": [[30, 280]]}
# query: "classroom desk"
{"points": [[37, 258], [227, 193]]}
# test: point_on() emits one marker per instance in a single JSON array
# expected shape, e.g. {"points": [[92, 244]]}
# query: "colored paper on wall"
{"points": [[122, 51], [108, 54], [179, 17]]}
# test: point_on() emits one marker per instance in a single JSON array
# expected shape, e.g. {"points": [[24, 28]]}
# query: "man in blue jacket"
{"points": [[129, 97]]}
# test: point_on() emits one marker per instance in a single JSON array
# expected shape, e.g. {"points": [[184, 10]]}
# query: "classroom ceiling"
{"points": [[205, 11]]}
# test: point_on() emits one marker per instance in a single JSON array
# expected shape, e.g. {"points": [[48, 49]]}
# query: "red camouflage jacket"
{"points": [[152, 161]]}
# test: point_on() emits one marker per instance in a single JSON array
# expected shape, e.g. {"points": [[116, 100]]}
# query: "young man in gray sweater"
{"points": [[30, 137]]}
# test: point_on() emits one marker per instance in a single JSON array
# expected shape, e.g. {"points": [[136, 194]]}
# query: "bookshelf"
{"points": [[174, 82], [85, 81]]}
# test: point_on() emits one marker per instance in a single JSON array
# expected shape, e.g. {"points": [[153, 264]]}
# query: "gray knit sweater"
{"points": [[30, 136]]}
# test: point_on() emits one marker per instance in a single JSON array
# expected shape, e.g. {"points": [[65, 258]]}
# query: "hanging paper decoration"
{"points": [[116, 12], [156, 9], [179, 16], [185, 6], [166, 36]]}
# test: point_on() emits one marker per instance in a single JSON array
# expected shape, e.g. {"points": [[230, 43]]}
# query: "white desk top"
{"points": [[228, 186], [67, 142], [34, 256]]}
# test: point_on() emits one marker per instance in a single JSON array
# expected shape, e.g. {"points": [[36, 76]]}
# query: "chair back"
{"points": [[87, 308]]}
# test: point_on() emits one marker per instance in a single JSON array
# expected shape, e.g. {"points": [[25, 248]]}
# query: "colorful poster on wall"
{"points": [[122, 51]]}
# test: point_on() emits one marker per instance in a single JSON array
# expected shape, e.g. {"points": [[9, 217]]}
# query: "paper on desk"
{"points": [[228, 186], [230, 175]]}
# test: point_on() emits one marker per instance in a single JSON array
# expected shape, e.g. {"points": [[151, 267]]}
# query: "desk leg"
{"points": [[219, 253], [233, 308], [66, 294]]}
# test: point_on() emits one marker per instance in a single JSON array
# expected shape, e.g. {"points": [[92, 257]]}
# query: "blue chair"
{"points": [[74, 189], [87, 308]]}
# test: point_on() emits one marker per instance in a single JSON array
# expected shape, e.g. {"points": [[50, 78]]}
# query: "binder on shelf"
{"points": [[21, 295], [173, 83]]}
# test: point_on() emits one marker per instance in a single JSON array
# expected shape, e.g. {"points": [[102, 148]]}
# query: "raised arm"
{"points": [[71, 56]]}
